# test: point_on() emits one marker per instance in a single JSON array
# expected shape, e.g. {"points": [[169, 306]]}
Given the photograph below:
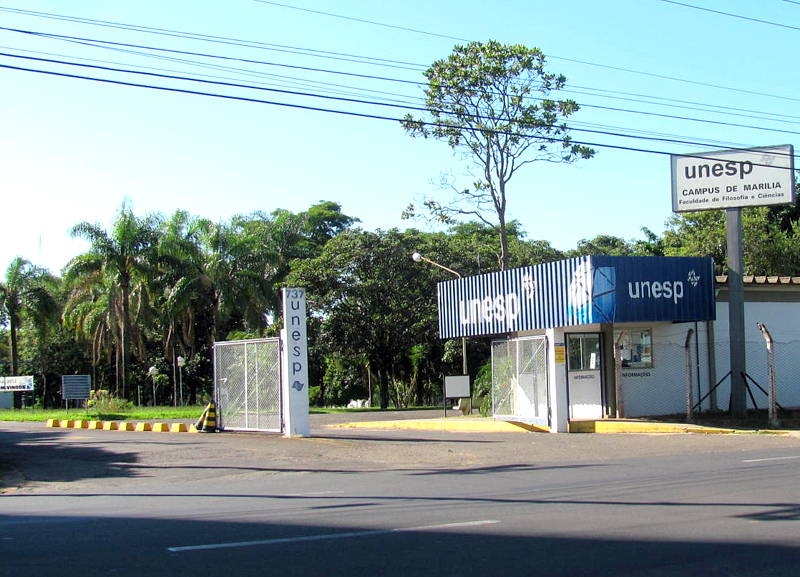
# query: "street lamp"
{"points": [[417, 257], [153, 371], [181, 364]]}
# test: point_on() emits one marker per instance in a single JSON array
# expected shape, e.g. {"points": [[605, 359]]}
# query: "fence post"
{"points": [[773, 412], [688, 351]]}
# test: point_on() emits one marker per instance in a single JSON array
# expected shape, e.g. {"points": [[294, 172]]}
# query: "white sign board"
{"points": [[733, 178], [8, 384], [456, 386]]}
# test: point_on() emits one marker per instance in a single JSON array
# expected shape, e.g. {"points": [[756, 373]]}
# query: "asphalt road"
{"points": [[377, 502]]}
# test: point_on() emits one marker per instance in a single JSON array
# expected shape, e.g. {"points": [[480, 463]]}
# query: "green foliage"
{"points": [[482, 389], [104, 403], [402, 394], [343, 380], [769, 244]]}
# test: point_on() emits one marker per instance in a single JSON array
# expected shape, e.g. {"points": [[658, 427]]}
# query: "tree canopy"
{"points": [[492, 102]]}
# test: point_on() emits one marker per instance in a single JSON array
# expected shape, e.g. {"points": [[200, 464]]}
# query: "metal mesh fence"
{"points": [[504, 378], [247, 375], [519, 379], [662, 388]]}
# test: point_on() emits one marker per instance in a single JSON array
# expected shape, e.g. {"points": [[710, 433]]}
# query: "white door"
{"points": [[585, 376]]}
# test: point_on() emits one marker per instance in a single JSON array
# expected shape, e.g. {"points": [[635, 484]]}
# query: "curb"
{"points": [[468, 425], [610, 426], [121, 426]]}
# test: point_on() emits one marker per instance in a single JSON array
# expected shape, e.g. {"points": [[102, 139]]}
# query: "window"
{"points": [[584, 352], [637, 348]]}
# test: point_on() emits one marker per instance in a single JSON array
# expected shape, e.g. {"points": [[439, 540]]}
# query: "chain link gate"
{"points": [[247, 377], [520, 381]]}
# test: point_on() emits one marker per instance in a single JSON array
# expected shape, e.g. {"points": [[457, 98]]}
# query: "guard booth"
{"points": [[569, 332]]}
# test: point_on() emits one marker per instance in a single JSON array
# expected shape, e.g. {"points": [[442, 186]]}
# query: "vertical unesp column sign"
{"points": [[294, 358]]}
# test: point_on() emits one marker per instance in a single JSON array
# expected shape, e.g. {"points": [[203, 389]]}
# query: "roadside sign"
{"points": [[15, 384], [75, 386], [733, 178]]}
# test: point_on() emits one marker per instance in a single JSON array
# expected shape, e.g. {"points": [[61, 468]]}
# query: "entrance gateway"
{"points": [[558, 320], [262, 384]]}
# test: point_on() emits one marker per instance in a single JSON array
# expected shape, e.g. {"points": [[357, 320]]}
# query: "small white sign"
{"points": [[456, 386], [733, 178]]}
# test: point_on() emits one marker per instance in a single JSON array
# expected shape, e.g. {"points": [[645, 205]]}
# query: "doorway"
{"points": [[585, 375]]}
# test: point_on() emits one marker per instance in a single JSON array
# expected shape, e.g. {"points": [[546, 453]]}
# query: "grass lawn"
{"points": [[132, 414], [140, 413]]}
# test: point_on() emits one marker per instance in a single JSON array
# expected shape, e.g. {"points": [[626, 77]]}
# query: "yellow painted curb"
{"points": [[160, 427], [467, 425], [178, 428], [110, 425], [80, 424], [125, 426], [623, 426], [66, 423], [51, 423], [94, 425], [143, 427], [193, 429]]}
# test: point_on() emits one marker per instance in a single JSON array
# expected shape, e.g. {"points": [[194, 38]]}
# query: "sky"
{"points": [[653, 78]]}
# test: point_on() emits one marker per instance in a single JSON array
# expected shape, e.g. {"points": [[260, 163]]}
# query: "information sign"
{"points": [[733, 178]]}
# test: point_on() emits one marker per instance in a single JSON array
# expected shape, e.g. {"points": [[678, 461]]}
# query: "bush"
{"points": [[102, 402], [482, 389]]}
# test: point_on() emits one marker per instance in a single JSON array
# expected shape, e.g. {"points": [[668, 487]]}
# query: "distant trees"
{"points": [[152, 288], [770, 243], [26, 293], [27, 296]]}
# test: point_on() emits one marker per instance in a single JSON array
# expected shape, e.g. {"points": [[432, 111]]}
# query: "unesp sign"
{"points": [[733, 178]]}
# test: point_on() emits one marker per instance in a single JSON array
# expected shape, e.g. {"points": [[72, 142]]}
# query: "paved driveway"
{"points": [[34, 457]]}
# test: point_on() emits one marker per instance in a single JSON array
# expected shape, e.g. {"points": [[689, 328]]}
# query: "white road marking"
{"points": [[328, 536], [771, 459]]}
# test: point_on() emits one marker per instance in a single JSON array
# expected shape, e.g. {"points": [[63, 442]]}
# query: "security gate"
{"points": [[520, 381], [247, 377]]}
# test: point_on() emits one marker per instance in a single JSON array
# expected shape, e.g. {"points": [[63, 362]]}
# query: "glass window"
{"points": [[584, 352], [637, 347]]}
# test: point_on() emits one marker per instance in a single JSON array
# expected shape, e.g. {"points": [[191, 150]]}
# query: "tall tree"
{"points": [[127, 258], [492, 101]]}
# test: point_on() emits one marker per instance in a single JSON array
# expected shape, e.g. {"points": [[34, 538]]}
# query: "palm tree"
{"points": [[25, 292], [127, 259]]}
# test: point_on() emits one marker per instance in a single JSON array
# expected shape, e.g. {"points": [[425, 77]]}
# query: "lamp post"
{"points": [[417, 257], [153, 371], [181, 363]]}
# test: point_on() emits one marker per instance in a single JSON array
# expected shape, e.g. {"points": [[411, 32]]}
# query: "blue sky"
{"points": [[74, 150]]}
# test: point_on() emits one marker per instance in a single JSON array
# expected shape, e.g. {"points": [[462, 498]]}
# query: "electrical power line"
{"points": [[360, 60], [335, 111], [731, 15]]}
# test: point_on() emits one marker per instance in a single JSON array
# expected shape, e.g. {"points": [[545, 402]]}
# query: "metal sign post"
{"points": [[738, 405]]}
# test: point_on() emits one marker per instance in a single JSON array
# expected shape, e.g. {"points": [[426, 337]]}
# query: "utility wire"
{"points": [[363, 21], [346, 57], [198, 54], [106, 43], [366, 102], [339, 112], [739, 16]]}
